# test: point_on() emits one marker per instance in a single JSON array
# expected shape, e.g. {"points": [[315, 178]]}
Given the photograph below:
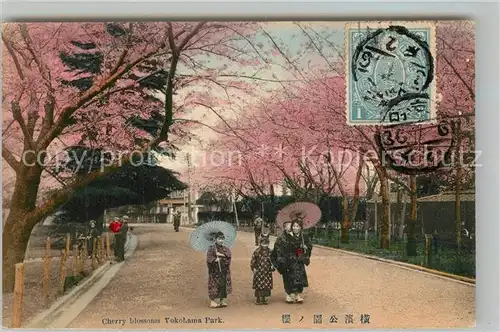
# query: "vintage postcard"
{"points": [[239, 175]]}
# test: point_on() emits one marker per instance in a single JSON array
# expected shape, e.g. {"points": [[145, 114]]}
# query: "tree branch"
{"points": [[125, 50], [17, 115], [12, 53], [399, 183], [29, 42], [469, 88], [10, 159], [193, 33], [163, 134], [130, 86], [61, 123]]}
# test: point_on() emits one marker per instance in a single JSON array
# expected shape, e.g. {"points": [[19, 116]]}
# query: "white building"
{"points": [[178, 201]]}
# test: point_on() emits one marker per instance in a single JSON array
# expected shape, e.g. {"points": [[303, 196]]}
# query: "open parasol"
{"points": [[204, 235], [308, 213]]}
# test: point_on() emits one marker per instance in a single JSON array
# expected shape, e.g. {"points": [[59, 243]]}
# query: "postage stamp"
{"points": [[202, 175], [390, 72]]}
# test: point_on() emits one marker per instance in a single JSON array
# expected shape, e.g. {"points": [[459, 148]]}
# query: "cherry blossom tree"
{"points": [[298, 136], [456, 67], [67, 84], [310, 110]]}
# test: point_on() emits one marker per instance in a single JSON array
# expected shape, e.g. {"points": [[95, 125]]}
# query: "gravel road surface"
{"points": [[166, 280]]}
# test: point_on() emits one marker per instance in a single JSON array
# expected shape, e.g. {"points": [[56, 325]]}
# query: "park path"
{"points": [[166, 278]]}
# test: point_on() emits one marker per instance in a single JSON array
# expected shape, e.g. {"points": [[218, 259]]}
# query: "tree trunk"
{"points": [[15, 241], [458, 215], [397, 213], [458, 187], [19, 223], [348, 218], [391, 219], [24, 214], [190, 208], [355, 199], [233, 198], [411, 245], [402, 217], [384, 193], [344, 238]]}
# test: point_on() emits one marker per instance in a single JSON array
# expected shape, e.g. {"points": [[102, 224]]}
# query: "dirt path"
{"points": [[166, 278]]}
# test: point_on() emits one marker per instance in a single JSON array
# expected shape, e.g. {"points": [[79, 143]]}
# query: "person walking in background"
{"points": [[219, 272], [262, 269], [114, 227], [177, 221], [292, 255], [92, 233], [121, 239], [257, 228], [266, 228]]}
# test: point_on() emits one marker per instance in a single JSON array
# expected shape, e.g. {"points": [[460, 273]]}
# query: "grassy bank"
{"points": [[443, 257]]}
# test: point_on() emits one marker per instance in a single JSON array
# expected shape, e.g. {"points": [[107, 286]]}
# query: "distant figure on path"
{"points": [[121, 239], [257, 228], [262, 269], [219, 272], [266, 228], [114, 227], [177, 221], [292, 254], [92, 234]]}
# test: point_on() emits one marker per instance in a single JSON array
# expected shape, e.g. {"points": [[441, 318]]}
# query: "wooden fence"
{"points": [[80, 260]]}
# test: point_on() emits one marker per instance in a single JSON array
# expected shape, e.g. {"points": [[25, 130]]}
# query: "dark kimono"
{"points": [[263, 272], [92, 234], [257, 229], [291, 261], [177, 222], [219, 275], [120, 241]]}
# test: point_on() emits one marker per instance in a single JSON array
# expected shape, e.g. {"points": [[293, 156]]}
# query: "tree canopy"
{"points": [[128, 186]]}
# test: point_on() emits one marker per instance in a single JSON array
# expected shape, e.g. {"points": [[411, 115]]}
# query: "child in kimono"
{"points": [[262, 269], [219, 273]]}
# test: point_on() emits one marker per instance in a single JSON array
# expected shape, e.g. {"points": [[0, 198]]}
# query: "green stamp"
{"points": [[390, 73]]}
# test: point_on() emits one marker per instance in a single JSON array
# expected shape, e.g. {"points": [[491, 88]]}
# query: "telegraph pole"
{"points": [[233, 199], [190, 208]]}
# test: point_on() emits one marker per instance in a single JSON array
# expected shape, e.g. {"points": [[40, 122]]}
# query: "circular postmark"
{"points": [[390, 68], [415, 149]]}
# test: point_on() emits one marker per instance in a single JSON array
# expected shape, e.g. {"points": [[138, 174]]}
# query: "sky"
{"points": [[330, 39]]}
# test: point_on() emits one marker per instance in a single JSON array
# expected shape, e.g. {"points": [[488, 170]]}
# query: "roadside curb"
{"points": [[454, 277], [465, 280], [58, 308]]}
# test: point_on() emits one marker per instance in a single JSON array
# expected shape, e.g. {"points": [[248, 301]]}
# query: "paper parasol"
{"points": [[308, 213], [204, 235]]}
